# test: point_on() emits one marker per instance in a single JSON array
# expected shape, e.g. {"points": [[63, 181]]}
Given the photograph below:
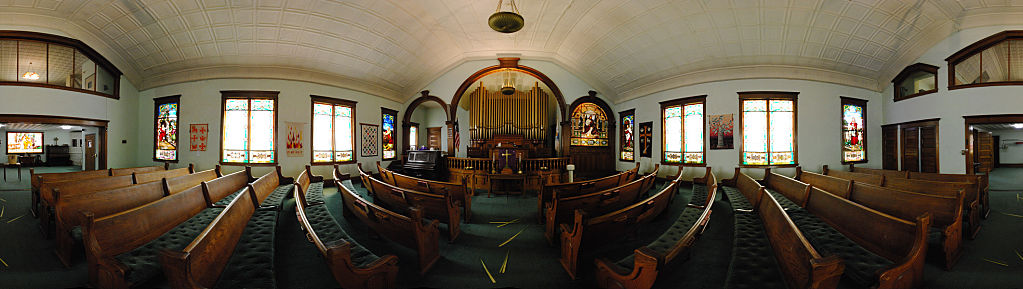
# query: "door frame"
{"points": [[85, 150], [67, 120], [971, 120]]}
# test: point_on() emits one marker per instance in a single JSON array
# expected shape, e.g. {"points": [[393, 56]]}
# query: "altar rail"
{"points": [[538, 171]]}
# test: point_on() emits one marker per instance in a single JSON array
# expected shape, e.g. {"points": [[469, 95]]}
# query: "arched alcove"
{"points": [[589, 150], [407, 121]]}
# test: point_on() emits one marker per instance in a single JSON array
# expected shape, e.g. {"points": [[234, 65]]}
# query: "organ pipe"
{"points": [[523, 113]]}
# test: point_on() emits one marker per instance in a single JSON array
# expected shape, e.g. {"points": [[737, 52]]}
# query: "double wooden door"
{"points": [[920, 147]]}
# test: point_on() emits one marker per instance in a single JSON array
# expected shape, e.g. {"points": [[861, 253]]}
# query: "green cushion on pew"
{"points": [[861, 265], [328, 230], [143, 263], [753, 264], [252, 262]]}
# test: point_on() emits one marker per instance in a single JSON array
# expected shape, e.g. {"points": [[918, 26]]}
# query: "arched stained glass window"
{"points": [[854, 130], [628, 135], [589, 125]]}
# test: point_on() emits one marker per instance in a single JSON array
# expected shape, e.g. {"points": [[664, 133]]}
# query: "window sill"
{"points": [[165, 161], [769, 166], [332, 163], [916, 94], [273, 164], [983, 84]]}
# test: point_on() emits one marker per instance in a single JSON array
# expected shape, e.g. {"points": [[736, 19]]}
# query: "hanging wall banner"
{"points": [[197, 136], [294, 142], [369, 139]]}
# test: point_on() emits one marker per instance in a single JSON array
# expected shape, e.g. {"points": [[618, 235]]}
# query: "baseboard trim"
{"points": [[1004, 165]]}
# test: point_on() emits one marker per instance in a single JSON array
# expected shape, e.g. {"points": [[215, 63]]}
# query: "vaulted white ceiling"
{"points": [[625, 49]]}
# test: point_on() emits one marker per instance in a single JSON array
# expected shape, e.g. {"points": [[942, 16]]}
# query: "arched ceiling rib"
{"points": [[393, 48]]}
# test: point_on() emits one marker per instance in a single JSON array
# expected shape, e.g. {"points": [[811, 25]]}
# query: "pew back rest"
{"points": [[837, 186], [422, 185], [907, 205], [792, 189], [77, 187], [386, 175], [39, 179], [264, 186], [866, 178], [303, 180], [625, 219], [888, 174], [394, 226], [432, 205], [606, 200], [796, 257], [100, 204], [749, 188], [594, 185], [977, 183], [122, 232], [883, 234], [689, 238], [948, 189], [140, 170], [181, 183], [222, 187], [202, 261], [142, 178]]}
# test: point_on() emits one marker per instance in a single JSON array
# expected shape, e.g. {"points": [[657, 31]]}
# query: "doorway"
{"points": [[433, 136], [61, 140], [90, 152], [993, 136], [911, 146]]}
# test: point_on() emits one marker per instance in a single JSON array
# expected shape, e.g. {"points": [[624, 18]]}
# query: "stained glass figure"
{"points": [[167, 131], [589, 125], [628, 149], [852, 133], [387, 136]]}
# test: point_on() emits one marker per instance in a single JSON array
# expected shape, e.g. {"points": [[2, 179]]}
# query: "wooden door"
{"points": [[985, 151], [929, 149], [433, 137], [910, 149], [890, 147], [90, 152]]}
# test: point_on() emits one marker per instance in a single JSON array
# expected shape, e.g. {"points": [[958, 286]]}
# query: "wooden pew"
{"points": [[901, 242], [200, 264], [369, 271], [461, 192], [225, 187], [581, 187], [175, 216], [38, 180], [837, 186], [411, 231], [52, 192], [640, 269], [801, 264], [886, 173], [745, 198], [434, 206], [156, 176], [141, 170], [312, 185], [69, 209], [561, 210], [871, 179], [971, 206], [978, 184], [946, 212]]}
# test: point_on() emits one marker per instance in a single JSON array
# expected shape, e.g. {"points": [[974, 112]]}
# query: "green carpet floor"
{"points": [[532, 263]]}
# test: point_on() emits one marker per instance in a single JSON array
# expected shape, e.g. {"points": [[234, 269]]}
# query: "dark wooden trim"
{"points": [[917, 123], [46, 85], [406, 121], [857, 102], [53, 119], [394, 134], [621, 134], [977, 48], [701, 99], [1005, 165], [313, 99], [917, 67], [970, 120], [177, 133], [248, 95], [73, 43], [768, 95]]}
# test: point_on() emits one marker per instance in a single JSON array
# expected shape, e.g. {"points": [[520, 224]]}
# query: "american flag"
{"points": [[455, 135]]}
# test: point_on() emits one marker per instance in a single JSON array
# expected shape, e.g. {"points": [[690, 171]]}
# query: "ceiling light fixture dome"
{"points": [[506, 21], [30, 76]]}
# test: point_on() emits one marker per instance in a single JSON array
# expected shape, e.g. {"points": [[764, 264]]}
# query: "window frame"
{"points": [[394, 134], [249, 95], [412, 136], [78, 46], [906, 72], [770, 95], [978, 48], [621, 134], [841, 121], [683, 102], [157, 102], [334, 102]]}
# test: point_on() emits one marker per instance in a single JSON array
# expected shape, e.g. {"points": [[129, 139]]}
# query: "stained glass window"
{"points": [[683, 123], [332, 130], [589, 125], [249, 127], [854, 130], [387, 139], [166, 132], [628, 135], [413, 137], [768, 128]]}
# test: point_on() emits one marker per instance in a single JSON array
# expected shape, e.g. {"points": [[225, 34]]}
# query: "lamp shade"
{"points": [[506, 22]]}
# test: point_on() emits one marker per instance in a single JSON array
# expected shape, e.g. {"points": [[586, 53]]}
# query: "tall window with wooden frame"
{"points": [[768, 121], [333, 130], [387, 133], [165, 128], [682, 124], [249, 127], [854, 130], [628, 136]]}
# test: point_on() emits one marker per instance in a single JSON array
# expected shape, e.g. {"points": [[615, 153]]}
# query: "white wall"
{"points": [[818, 123], [201, 102], [952, 105], [1012, 153]]}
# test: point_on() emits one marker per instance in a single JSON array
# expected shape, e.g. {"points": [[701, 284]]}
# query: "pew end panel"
{"points": [[800, 263], [642, 276]]}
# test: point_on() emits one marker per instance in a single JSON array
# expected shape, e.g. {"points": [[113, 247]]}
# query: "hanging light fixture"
{"points": [[506, 21], [508, 86], [30, 76]]}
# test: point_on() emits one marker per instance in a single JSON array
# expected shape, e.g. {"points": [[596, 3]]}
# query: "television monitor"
{"points": [[24, 142]]}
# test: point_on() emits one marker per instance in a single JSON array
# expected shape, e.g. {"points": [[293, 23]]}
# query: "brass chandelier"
{"points": [[506, 21]]}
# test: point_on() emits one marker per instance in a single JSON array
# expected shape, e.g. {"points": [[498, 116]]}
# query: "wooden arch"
{"points": [[593, 161], [406, 121]]}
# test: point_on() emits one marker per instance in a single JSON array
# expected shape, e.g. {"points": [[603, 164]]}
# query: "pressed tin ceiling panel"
{"points": [[625, 49]]}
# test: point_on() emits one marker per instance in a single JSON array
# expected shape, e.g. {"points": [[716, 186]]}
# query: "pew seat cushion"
{"points": [[753, 264], [252, 262], [328, 230], [739, 202], [699, 195], [143, 262], [669, 238], [861, 265], [784, 201], [314, 195], [227, 200], [277, 197]]}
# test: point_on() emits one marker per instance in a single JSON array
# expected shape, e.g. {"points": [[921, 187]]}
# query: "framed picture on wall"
{"points": [[721, 131], [646, 139], [90, 82], [369, 139]]}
